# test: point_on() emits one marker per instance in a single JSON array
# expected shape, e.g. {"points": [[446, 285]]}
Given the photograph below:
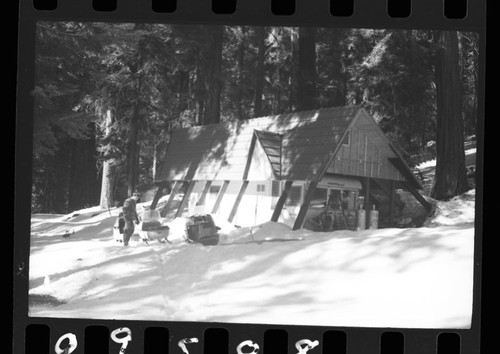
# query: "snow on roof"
{"points": [[220, 151]]}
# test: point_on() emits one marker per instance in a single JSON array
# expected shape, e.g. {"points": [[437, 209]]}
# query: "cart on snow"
{"points": [[202, 229]]}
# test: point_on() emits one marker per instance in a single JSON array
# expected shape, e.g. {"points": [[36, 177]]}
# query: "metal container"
{"points": [[360, 219], [373, 218], [350, 216]]}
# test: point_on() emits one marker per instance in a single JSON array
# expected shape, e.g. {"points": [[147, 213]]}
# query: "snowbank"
{"points": [[270, 231], [457, 211], [415, 277]]}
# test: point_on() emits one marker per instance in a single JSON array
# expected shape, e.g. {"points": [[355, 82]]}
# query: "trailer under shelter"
{"points": [[289, 168]]}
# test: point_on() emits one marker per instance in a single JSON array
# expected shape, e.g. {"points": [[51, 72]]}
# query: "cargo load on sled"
{"points": [[202, 229], [153, 226]]}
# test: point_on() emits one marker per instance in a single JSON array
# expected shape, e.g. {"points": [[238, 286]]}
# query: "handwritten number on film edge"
{"points": [[182, 343], [73, 343], [248, 343], [303, 345], [122, 340], [308, 345]]}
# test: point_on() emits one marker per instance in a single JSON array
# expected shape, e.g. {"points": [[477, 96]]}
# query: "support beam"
{"points": [[385, 186], [237, 202], [403, 168], [391, 205], [185, 199], [281, 201], [418, 196], [206, 188], [157, 196], [305, 206], [367, 194], [367, 200], [175, 188], [219, 197], [249, 157]]}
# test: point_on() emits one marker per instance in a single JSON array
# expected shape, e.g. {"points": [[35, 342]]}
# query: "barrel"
{"points": [[373, 218], [360, 219]]}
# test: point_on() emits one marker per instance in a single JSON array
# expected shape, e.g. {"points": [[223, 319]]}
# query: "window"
{"points": [[294, 196], [261, 188], [275, 193], [214, 189], [318, 199], [335, 199], [275, 189], [347, 139]]}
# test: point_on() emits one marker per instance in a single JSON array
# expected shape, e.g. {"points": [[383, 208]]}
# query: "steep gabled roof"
{"points": [[220, 152]]}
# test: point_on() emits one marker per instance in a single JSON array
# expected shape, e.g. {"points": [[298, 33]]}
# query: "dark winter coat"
{"points": [[129, 210], [129, 215]]}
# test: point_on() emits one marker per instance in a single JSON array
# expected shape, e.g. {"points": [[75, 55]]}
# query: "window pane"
{"points": [[294, 196], [214, 189], [319, 198], [275, 189]]}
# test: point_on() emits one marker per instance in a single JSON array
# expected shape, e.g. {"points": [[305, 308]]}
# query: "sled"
{"points": [[153, 227]]}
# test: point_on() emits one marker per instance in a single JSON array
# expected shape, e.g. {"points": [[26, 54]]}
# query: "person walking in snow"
{"points": [[130, 216]]}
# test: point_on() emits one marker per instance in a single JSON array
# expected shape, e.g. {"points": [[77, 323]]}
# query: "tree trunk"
{"points": [[212, 109], [307, 94], [292, 83], [260, 73], [133, 151], [199, 89], [83, 183], [450, 178], [156, 159], [108, 172], [183, 91], [241, 79]]}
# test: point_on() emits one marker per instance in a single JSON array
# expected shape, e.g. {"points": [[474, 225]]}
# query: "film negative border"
{"points": [[43, 335], [365, 13], [196, 338]]}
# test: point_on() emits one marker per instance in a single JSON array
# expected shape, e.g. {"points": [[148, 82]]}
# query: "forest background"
{"points": [[108, 95]]}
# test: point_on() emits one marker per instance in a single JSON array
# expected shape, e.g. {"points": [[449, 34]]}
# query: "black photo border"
{"points": [[425, 14]]}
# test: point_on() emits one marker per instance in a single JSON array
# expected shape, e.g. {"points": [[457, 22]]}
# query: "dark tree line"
{"points": [[107, 96]]}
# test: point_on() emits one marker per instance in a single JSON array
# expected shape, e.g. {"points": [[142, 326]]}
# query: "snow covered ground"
{"points": [[417, 277]]}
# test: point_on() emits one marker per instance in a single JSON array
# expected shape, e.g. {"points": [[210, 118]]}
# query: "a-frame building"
{"points": [[281, 167]]}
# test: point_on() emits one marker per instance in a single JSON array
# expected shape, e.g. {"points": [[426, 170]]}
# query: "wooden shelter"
{"points": [[289, 161]]}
